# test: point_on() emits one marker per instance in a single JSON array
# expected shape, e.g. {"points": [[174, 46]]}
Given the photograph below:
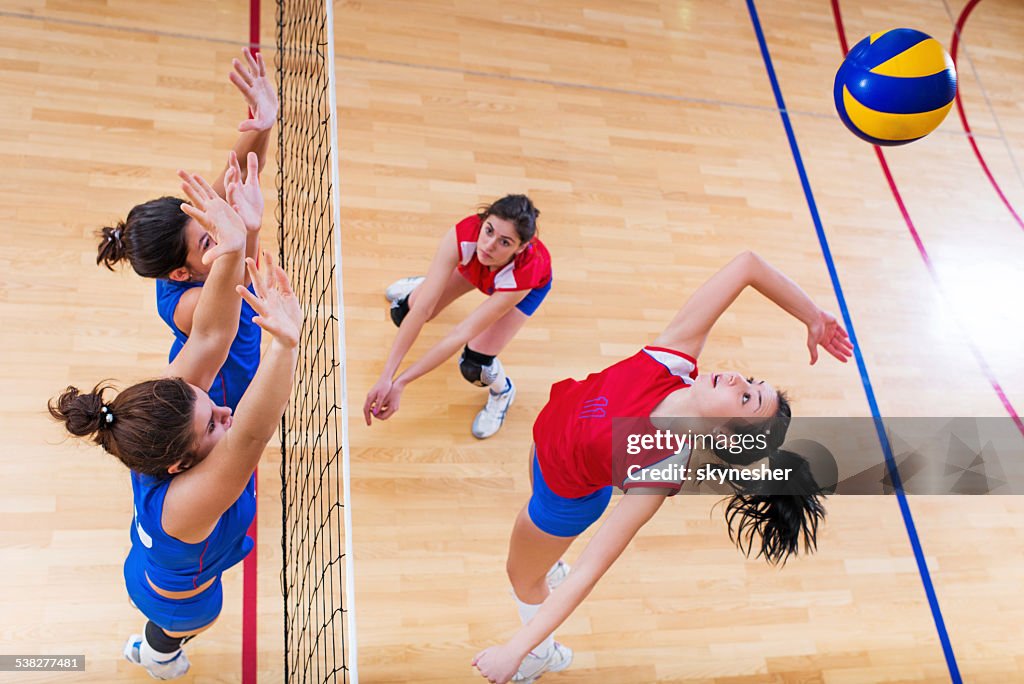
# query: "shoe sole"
{"points": [[393, 293]]}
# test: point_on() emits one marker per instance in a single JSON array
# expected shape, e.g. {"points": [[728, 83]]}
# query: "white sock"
{"points": [[496, 373], [526, 613], [151, 657]]}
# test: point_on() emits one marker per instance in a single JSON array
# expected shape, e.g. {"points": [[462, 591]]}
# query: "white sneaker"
{"points": [[402, 287], [491, 416], [532, 667], [159, 665], [557, 574]]}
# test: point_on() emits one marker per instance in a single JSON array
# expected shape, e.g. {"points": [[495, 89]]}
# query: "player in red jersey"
{"points": [[576, 461], [497, 252]]}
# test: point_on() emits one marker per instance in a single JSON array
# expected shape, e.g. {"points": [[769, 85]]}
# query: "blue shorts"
{"points": [[531, 301], [562, 517], [171, 615]]}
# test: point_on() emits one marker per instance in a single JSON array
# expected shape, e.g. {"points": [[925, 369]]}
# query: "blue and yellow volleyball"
{"points": [[895, 87]]}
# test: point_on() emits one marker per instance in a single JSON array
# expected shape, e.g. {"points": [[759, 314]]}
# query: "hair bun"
{"points": [[111, 249], [81, 413]]}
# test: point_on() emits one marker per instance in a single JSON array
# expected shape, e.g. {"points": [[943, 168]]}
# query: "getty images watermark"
{"points": [[845, 455], [664, 456]]}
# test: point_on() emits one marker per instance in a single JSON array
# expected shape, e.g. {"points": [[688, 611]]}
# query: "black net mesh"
{"points": [[312, 526]]}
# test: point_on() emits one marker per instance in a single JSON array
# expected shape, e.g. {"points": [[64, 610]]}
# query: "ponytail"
{"points": [[152, 239], [777, 523], [111, 249], [148, 426]]}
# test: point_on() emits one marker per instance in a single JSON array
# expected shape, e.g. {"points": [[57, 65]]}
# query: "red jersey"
{"points": [[573, 433], [530, 269]]}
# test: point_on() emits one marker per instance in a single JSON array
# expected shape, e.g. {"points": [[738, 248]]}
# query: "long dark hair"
{"points": [[151, 239], [776, 524], [777, 517], [517, 209], [148, 426]]}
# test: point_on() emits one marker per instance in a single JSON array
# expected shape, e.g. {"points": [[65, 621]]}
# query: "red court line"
{"points": [[249, 565], [953, 46], [986, 371]]}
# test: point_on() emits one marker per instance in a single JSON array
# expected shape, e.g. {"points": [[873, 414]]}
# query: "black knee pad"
{"points": [[160, 642], [399, 310], [471, 364]]}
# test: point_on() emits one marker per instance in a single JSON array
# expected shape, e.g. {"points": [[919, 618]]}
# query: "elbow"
{"points": [[748, 256], [751, 264]]}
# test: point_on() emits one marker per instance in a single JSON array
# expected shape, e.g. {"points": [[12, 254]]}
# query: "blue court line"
{"points": [[826, 252]]}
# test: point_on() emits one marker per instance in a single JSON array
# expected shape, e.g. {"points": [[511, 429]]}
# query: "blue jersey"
{"points": [[243, 357], [175, 565]]}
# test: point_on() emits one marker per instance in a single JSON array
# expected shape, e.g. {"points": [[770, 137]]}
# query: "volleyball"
{"points": [[895, 87]]}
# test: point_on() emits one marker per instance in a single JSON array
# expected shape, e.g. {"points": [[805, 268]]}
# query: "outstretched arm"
{"points": [[246, 199], [258, 90], [499, 663], [496, 306], [200, 495], [445, 261], [215, 322], [689, 330]]}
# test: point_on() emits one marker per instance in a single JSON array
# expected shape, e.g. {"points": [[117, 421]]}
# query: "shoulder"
{"points": [[185, 311], [468, 228], [675, 362]]}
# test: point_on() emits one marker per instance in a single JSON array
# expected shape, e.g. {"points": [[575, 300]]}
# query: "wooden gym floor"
{"points": [[649, 136]]}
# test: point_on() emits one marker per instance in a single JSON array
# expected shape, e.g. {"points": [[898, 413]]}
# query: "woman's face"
{"points": [[209, 423], [498, 243], [198, 241], [730, 395]]}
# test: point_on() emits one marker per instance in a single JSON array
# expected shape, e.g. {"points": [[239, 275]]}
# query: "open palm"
{"points": [[826, 332], [257, 89], [278, 310], [246, 198], [214, 214]]}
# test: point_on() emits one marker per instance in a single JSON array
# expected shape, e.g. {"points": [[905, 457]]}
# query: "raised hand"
{"points": [[278, 310], [245, 197], [214, 214], [826, 331], [251, 80]]}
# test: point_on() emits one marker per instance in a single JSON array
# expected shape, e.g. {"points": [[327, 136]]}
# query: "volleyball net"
{"points": [[319, 635]]}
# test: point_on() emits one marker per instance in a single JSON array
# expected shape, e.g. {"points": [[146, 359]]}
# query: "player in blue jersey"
{"points": [[161, 242], [192, 461]]}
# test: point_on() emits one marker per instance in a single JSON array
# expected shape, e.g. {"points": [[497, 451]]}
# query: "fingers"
{"points": [[258, 281], [210, 192], [373, 407], [280, 275], [250, 59], [814, 353], [247, 75], [193, 212], [262, 67], [252, 168], [211, 254], [252, 300], [242, 86], [193, 189]]}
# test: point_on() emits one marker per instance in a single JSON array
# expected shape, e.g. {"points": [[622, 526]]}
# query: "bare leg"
{"points": [[493, 340], [531, 553]]}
